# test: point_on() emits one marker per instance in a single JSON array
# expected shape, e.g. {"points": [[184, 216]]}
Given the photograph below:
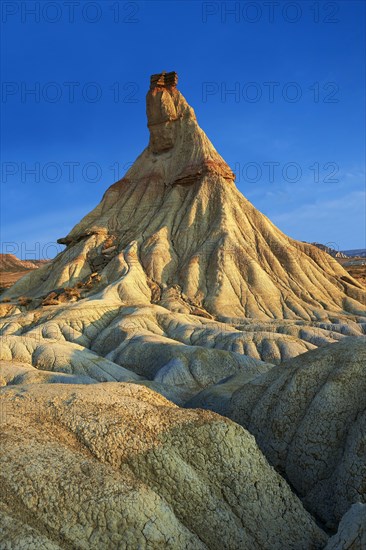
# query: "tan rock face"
{"points": [[164, 108], [124, 468], [194, 231]]}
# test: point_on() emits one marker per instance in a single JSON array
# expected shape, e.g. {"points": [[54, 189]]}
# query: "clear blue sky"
{"points": [[294, 130]]}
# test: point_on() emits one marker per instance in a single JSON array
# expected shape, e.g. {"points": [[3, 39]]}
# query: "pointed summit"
{"points": [[164, 80], [173, 128], [164, 107], [175, 231]]}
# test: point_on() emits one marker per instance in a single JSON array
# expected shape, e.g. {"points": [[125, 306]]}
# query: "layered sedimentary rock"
{"points": [[179, 230]]}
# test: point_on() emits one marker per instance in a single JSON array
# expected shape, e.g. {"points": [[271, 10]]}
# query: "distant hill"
{"points": [[355, 264], [12, 269], [9, 262], [329, 250], [357, 252], [353, 261]]}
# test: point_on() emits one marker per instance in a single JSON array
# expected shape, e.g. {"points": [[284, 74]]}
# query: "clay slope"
{"points": [[101, 340], [309, 419], [121, 467], [180, 234]]}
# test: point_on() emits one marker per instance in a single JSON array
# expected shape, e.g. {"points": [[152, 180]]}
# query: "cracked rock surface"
{"points": [[309, 418], [118, 466]]}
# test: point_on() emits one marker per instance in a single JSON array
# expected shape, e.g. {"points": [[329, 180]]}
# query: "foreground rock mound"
{"points": [[309, 419], [118, 466]]}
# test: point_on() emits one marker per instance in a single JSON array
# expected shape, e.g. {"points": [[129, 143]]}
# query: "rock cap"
{"points": [[164, 80]]}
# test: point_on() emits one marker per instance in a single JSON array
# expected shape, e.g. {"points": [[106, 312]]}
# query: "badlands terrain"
{"points": [[183, 375]]}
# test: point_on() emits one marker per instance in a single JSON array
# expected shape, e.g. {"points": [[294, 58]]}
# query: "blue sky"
{"points": [[292, 128]]}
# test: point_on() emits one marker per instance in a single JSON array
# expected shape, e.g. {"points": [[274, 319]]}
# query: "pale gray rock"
{"points": [[309, 419], [351, 534], [46, 354]]}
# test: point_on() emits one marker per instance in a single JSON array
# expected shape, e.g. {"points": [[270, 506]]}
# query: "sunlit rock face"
{"points": [[176, 223], [175, 291]]}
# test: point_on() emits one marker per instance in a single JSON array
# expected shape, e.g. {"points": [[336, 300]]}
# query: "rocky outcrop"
{"points": [[91, 467], [309, 419], [351, 534], [176, 285]]}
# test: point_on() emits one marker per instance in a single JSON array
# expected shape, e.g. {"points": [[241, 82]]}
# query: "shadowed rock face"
{"points": [[309, 418]]}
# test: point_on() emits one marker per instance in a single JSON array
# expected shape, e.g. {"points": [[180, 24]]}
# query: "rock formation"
{"points": [[177, 229], [118, 466], [309, 418], [176, 285]]}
